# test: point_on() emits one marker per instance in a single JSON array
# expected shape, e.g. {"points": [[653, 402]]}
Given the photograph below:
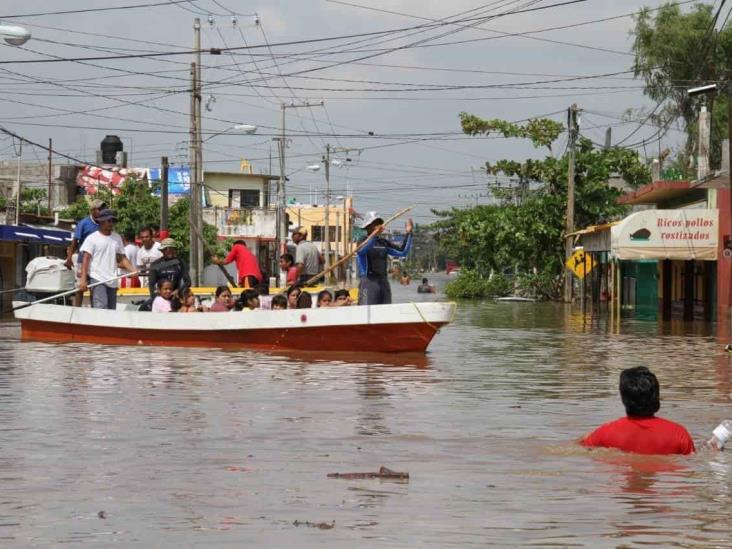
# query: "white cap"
{"points": [[369, 218]]}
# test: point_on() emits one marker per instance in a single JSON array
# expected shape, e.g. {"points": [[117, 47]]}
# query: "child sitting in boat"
{"points": [[325, 298], [188, 302], [249, 299], [279, 302], [163, 302], [341, 298], [293, 293], [305, 301]]}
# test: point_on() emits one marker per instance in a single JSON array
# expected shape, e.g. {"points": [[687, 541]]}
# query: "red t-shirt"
{"points": [[291, 276], [642, 435], [246, 263]]}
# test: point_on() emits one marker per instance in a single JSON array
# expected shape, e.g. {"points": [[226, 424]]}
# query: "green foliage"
{"points": [[545, 285], [179, 227], [541, 131], [3, 203], [675, 51], [471, 284], [33, 200], [136, 207], [527, 235]]}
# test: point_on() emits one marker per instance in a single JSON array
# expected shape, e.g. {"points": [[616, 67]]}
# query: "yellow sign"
{"points": [[245, 166], [580, 263]]}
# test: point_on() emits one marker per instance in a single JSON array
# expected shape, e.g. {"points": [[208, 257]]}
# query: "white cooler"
{"points": [[48, 275]]}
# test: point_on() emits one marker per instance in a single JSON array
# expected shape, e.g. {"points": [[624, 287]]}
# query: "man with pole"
{"points": [[102, 253]]}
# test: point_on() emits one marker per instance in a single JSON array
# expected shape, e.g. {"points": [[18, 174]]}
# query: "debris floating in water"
{"points": [[384, 472], [321, 525]]}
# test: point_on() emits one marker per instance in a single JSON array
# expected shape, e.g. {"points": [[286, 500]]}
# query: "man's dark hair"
{"points": [[280, 300], [424, 281], [639, 392], [129, 235], [340, 293], [240, 242], [147, 230]]}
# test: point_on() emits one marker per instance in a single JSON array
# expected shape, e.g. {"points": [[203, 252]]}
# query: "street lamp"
{"points": [[246, 128], [14, 35]]}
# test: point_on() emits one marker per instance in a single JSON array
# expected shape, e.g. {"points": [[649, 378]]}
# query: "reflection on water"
{"points": [[184, 447]]}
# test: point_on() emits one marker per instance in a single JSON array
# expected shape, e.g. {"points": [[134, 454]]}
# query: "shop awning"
{"points": [[667, 234], [35, 235]]}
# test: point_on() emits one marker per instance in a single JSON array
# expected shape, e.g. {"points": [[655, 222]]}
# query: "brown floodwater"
{"points": [[161, 447]]}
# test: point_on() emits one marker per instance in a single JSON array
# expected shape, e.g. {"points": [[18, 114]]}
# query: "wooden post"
{"points": [[164, 193], [50, 172]]}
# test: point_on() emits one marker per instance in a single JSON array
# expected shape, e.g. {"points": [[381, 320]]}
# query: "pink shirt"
{"points": [[219, 308]]}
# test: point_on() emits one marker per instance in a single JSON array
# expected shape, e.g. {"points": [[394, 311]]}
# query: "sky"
{"points": [[412, 68]]}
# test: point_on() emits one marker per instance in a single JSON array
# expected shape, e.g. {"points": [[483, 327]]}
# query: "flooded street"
{"points": [[161, 447]]}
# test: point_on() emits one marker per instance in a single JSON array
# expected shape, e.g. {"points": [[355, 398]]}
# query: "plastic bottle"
{"points": [[720, 435]]}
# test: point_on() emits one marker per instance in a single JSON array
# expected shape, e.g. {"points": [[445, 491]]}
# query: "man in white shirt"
{"points": [[103, 252], [147, 253], [128, 239]]}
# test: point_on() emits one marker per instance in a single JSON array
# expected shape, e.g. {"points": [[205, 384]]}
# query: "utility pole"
{"points": [[573, 130], [281, 194], [50, 170], [18, 188], [164, 193], [196, 160], [326, 161]]}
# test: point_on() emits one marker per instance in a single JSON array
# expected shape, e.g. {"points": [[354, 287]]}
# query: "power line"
{"points": [[257, 46], [89, 10]]}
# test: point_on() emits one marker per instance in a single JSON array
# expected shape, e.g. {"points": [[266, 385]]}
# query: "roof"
{"points": [[658, 191], [594, 229], [246, 175], [35, 235]]}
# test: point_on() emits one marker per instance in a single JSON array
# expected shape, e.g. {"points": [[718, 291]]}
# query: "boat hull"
{"points": [[405, 328]]}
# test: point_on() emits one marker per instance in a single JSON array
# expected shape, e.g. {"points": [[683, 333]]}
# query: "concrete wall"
{"points": [[218, 185], [259, 223]]}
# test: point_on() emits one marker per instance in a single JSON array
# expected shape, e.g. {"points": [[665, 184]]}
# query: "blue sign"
{"points": [[179, 179]]}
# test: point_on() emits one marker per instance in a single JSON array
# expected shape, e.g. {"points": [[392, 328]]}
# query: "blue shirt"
{"points": [[371, 259], [84, 228]]}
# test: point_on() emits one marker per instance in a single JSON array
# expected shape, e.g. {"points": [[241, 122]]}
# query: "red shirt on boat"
{"points": [[642, 435], [246, 263]]}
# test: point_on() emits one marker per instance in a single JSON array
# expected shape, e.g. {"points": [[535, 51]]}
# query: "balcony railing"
{"points": [[244, 222]]}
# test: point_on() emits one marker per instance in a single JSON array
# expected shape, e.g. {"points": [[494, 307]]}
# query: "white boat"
{"points": [[397, 328]]}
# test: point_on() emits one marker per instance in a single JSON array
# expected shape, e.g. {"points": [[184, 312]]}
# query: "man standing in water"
{"points": [[640, 432], [373, 262]]}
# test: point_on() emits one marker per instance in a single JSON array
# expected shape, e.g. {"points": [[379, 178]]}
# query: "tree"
{"points": [[527, 236], [137, 207], [675, 51]]}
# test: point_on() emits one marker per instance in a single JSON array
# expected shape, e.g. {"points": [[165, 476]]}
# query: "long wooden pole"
{"points": [[69, 292], [358, 248]]}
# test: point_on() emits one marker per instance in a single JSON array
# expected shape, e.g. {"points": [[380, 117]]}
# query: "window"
{"points": [[319, 233], [244, 198]]}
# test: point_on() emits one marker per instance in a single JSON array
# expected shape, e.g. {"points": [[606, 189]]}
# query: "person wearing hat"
{"points": [[169, 267], [247, 266], [84, 227], [102, 253], [307, 256], [373, 261]]}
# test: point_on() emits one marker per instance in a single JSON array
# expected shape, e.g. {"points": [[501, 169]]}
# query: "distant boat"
{"points": [[397, 328], [515, 299]]}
